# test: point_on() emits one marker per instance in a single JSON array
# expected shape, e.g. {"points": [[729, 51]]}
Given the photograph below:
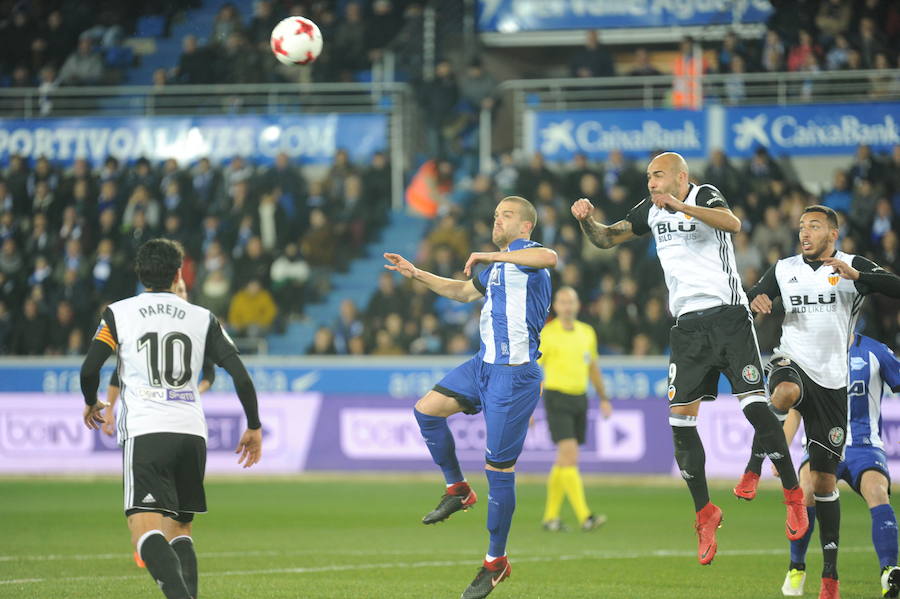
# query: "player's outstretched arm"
{"points": [[461, 291], [601, 235], [536, 257]]}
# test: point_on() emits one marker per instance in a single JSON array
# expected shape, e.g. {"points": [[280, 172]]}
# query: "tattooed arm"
{"points": [[601, 235]]}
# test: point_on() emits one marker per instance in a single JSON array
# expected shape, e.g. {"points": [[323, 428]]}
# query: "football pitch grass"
{"points": [[361, 537]]}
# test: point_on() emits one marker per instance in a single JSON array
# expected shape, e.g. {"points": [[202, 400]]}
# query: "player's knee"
{"points": [[874, 488], [567, 453], [785, 395], [823, 483]]}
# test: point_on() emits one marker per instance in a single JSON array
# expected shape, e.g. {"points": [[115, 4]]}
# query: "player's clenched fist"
{"points": [[761, 304], [582, 209]]}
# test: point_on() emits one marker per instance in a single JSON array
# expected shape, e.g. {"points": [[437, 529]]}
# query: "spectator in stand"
{"points": [[262, 24], [613, 331], [58, 38], [383, 23], [772, 52], [439, 98], [227, 21], [272, 223], [532, 175], [642, 67], [341, 168], [592, 60], [63, 325], [864, 166], [30, 332], [838, 198], [723, 175], [214, 293], [194, 63], [862, 208], [734, 86], [6, 328], [883, 85], [377, 189], [350, 40], [347, 326], [833, 19], [799, 54], [775, 232], [883, 222], [16, 35], [323, 343], [289, 274], [83, 67], [252, 310], [892, 178], [687, 69], [12, 263], [318, 243], [838, 56], [387, 299], [869, 42], [731, 48]]}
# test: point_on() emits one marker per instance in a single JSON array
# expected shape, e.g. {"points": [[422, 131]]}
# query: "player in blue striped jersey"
{"points": [[502, 380], [864, 467]]}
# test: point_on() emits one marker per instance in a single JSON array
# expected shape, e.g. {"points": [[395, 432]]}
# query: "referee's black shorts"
{"points": [[163, 472], [566, 415], [708, 343]]}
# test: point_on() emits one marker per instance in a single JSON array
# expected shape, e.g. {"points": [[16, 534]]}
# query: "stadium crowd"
{"points": [[65, 42], [263, 241], [622, 291], [260, 241]]}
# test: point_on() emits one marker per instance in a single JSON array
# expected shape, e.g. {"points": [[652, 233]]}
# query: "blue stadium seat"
{"points": [[118, 57], [151, 26]]}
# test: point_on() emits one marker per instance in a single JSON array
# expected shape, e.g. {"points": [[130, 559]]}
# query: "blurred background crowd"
{"points": [[263, 242]]}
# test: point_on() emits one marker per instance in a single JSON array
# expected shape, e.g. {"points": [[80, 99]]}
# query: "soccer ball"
{"points": [[296, 40]]}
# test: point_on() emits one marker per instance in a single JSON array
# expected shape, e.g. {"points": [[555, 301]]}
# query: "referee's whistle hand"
{"points": [[249, 447], [761, 304]]}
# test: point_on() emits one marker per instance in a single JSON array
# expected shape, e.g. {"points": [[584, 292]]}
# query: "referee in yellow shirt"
{"points": [[569, 359]]}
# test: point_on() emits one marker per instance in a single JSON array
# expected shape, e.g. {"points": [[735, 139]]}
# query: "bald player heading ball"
{"points": [[713, 333]]}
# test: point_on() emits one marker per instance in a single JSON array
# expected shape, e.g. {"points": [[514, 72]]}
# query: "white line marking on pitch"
{"points": [[611, 555]]}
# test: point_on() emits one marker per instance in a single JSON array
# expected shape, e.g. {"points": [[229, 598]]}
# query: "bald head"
{"points": [[668, 173], [566, 304], [671, 161]]}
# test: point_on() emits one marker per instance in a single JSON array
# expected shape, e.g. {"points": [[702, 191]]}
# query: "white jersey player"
{"points": [[692, 227], [822, 290], [161, 341]]}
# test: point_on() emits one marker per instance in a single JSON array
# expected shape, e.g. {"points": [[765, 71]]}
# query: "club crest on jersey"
{"points": [[833, 279], [750, 374], [836, 436], [671, 392]]}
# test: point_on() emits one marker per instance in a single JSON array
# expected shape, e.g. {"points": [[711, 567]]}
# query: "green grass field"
{"points": [[361, 538]]}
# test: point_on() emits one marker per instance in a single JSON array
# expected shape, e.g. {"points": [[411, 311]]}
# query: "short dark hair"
{"points": [[157, 263], [830, 214]]}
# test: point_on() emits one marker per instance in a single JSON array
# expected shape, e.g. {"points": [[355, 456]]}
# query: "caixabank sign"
{"points": [[797, 130]]}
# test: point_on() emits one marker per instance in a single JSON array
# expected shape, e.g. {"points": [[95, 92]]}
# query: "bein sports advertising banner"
{"points": [[44, 434], [308, 139], [512, 16]]}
